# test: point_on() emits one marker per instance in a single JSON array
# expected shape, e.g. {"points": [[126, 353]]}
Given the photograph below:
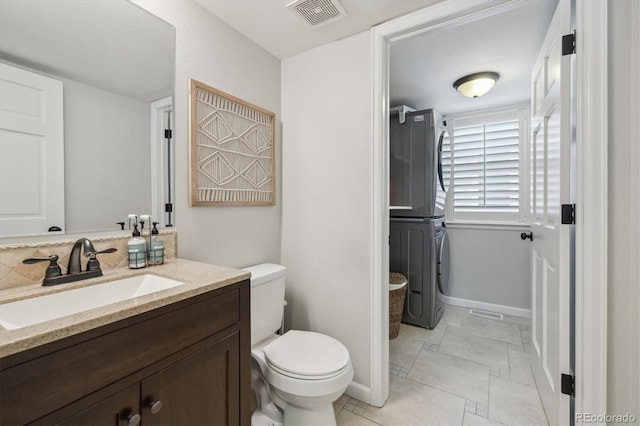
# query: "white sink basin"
{"points": [[51, 306]]}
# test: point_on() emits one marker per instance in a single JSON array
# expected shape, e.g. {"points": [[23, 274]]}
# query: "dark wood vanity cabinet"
{"points": [[187, 363], [209, 375], [118, 409]]}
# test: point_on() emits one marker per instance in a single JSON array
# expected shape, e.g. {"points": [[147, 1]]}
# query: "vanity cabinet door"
{"points": [[117, 410], [201, 389]]}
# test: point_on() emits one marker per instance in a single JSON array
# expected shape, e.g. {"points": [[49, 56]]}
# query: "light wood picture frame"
{"points": [[232, 150]]}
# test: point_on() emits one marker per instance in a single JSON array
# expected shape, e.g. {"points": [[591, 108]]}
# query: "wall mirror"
{"points": [[116, 62]]}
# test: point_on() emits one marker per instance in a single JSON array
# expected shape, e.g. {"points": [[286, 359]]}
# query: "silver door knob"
{"points": [[155, 406], [133, 419]]}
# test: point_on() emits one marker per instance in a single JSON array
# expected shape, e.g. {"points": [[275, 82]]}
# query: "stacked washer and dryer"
{"points": [[419, 245]]}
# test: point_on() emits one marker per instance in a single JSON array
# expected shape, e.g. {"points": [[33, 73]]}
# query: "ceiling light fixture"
{"points": [[477, 84]]}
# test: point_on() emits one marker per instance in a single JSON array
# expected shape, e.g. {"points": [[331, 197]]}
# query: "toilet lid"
{"points": [[306, 353]]}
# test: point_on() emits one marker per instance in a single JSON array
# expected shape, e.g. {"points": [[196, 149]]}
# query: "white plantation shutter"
{"points": [[483, 160], [468, 163], [502, 166]]}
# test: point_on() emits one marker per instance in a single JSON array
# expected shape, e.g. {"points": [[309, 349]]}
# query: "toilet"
{"points": [[298, 375]]}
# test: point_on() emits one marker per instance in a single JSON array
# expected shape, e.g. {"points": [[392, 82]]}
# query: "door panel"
{"points": [[550, 320], [21, 155], [539, 166], [31, 153], [537, 305], [552, 178], [550, 182], [202, 389]]}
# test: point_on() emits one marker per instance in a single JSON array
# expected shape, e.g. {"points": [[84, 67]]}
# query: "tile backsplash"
{"points": [[13, 273]]}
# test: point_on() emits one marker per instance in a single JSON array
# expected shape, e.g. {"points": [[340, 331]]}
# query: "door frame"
{"points": [[158, 159], [591, 209]]}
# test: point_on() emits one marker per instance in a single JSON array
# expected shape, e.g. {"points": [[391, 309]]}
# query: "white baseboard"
{"points": [[501, 309], [358, 391]]}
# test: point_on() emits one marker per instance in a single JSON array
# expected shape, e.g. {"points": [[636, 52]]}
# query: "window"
{"points": [[483, 163]]}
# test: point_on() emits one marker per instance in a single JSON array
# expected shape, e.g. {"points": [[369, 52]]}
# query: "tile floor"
{"points": [[469, 370]]}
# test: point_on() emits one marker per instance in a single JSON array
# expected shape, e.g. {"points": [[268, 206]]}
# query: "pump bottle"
{"points": [[137, 250], [156, 247]]}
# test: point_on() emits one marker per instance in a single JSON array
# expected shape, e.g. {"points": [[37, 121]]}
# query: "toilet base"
{"points": [[258, 418], [321, 414], [293, 400], [267, 413]]}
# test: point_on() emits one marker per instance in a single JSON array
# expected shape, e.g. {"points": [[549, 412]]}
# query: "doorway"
{"points": [[484, 167], [591, 18]]}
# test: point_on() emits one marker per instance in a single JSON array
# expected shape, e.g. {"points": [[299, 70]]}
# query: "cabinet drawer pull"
{"points": [[133, 419], [155, 406]]}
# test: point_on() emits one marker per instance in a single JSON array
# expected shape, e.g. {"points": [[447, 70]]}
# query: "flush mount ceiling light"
{"points": [[477, 84]]}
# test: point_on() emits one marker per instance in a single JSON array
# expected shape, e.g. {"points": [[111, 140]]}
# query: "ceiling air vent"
{"points": [[317, 12]]}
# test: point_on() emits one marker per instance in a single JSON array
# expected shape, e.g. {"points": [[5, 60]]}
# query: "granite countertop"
{"points": [[198, 278]]}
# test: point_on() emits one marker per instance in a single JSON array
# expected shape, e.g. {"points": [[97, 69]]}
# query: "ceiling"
{"points": [[423, 68], [272, 26]]}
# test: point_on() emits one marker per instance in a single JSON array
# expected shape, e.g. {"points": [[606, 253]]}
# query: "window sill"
{"points": [[504, 226]]}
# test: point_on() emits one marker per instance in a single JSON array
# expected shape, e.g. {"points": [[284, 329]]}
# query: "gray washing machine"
{"points": [[419, 249]]}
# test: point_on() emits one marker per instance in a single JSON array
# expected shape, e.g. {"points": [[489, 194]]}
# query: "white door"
{"points": [[31, 153], [550, 161]]}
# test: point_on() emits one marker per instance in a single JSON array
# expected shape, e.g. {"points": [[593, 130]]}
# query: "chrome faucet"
{"points": [[82, 246]]}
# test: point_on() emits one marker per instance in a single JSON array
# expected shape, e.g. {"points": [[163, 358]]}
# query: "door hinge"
{"points": [[569, 44], [566, 384], [168, 134], [568, 214]]}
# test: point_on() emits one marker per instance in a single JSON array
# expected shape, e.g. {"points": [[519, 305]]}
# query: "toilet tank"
{"points": [[267, 300]]}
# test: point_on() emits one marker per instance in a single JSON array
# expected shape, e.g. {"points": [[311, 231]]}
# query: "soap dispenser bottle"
{"points": [[156, 247], [137, 250]]}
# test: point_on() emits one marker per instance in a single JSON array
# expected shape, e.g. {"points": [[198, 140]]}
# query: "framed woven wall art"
{"points": [[232, 150]]}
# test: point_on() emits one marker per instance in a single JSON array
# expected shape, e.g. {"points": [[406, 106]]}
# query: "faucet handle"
{"points": [[53, 270], [93, 254], [93, 264], [52, 258]]}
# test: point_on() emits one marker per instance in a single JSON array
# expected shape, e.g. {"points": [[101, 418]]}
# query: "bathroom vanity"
{"points": [[178, 356]]}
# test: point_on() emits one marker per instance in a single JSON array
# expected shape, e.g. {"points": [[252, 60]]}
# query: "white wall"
{"points": [[326, 223], [106, 155], [491, 266], [623, 373], [210, 51]]}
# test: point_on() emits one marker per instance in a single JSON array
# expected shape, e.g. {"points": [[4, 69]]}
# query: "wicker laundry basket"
{"points": [[397, 292]]}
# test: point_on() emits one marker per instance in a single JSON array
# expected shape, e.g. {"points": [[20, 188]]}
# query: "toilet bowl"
{"points": [[296, 376]]}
